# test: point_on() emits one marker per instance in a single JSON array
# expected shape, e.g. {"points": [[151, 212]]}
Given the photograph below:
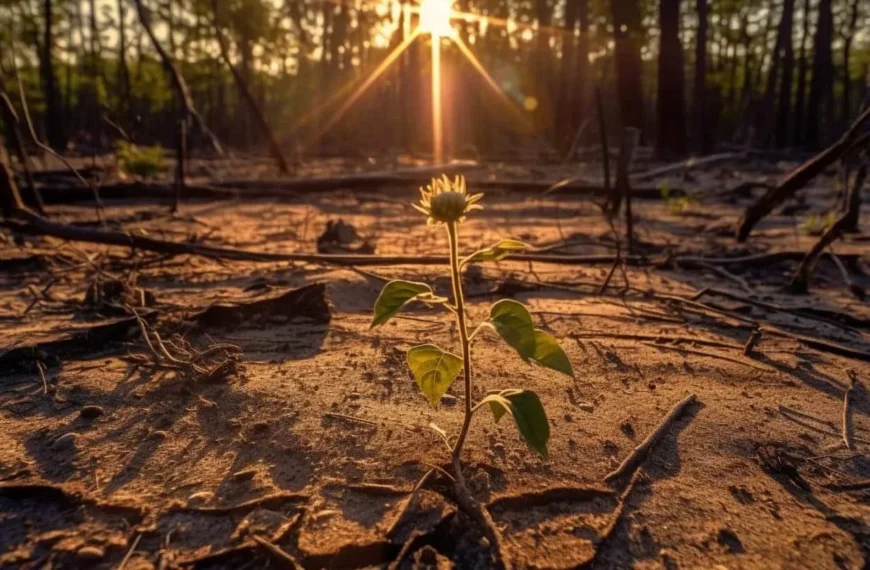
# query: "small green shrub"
{"points": [[815, 225], [435, 369], [144, 161], [677, 205]]}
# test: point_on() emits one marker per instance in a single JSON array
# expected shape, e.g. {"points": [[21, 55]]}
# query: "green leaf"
{"points": [[497, 252], [550, 354], [528, 413], [434, 370], [498, 404], [394, 296], [514, 323]]}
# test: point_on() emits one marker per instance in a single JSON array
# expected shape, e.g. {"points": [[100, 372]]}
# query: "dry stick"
{"points": [[130, 552], [853, 210], [656, 339], [616, 518], [856, 290], [45, 148], [630, 138], [14, 133], [278, 554], [847, 431], [265, 130], [800, 281], [751, 342], [707, 354], [178, 82], [686, 165], [602, 132], [633, 461], [180, 157], [802, 175]]}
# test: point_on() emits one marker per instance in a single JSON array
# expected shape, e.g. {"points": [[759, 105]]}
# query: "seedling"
{"points": [[435, 369]]}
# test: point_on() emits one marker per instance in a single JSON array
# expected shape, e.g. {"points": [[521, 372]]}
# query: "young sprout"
{"points": [[448, 202]]}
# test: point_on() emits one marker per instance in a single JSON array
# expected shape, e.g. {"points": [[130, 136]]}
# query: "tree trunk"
{"points": [[702, 142], [800, 97], [628, 40], [178, 83], [245, 93], [566, 113], [847, 51], [671, 139], [53, 112], [783, 115], [126, 90], [821, 86]]}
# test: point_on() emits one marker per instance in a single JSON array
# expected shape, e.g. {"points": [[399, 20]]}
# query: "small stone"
{"points": [[260, 426], [90, 554], [354, 396], [66, 441], [586, 406], [158, 435], [200, 498], [91, 412], [448, 400], [244, 475]]}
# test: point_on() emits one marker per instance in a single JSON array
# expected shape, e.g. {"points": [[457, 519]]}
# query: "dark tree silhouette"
{"points": [[628, 38], [671, 130]]}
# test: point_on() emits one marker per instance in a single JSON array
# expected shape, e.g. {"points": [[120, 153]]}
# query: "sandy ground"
{"points": [[322, 418]]}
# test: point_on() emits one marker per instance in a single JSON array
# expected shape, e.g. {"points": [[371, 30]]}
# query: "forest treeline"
{"points": [[258, 74]]}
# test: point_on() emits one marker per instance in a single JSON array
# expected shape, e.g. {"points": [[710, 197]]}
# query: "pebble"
{"points": [[91, 412], [90, 554], [199, 498], [158, 434], [244, 474], [66, 441], [448, 400]]}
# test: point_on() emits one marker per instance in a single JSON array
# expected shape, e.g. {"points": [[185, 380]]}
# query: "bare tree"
{"points": [[822, 84], [671, 139], [700, 129], [245, 93], [628, 38]]}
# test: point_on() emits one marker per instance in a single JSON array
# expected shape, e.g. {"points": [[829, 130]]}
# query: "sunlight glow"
{"points": [[435, 16]]}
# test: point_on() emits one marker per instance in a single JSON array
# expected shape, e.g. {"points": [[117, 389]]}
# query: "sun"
{"points": [[435, 17]]}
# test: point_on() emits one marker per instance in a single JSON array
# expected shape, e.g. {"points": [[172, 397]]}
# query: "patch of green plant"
{"points": [[677, 205], [816, 225], [446, 202], [144, 161]]}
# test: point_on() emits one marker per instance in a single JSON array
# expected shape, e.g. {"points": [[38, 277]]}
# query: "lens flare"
{"points": [[435, 16]]}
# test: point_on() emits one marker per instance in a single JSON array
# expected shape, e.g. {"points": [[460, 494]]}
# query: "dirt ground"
{"points": [[315, 434]]}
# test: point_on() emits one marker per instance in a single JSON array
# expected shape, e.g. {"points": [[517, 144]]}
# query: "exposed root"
{"points": [[480, 515], [270, 501], [409, 503], [281, 558]]}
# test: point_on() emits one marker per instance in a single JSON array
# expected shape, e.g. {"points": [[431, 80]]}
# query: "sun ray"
{"points": [[360, 91], [475, 63]]}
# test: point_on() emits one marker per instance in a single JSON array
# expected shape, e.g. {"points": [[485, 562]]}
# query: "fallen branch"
{"points": [[633, 461], [608, 531], [800, 281], [281, 557], [273, 500], [687, 165], [802, 175]]}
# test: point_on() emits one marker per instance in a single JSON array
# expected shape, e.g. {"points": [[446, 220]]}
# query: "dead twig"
{"points": [[282, 558], [707, 354], [803, 174], [847, 425], [608, 531], [639, 454]]}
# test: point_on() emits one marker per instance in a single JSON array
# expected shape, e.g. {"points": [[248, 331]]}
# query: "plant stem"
{"points": [[459, 300]]}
